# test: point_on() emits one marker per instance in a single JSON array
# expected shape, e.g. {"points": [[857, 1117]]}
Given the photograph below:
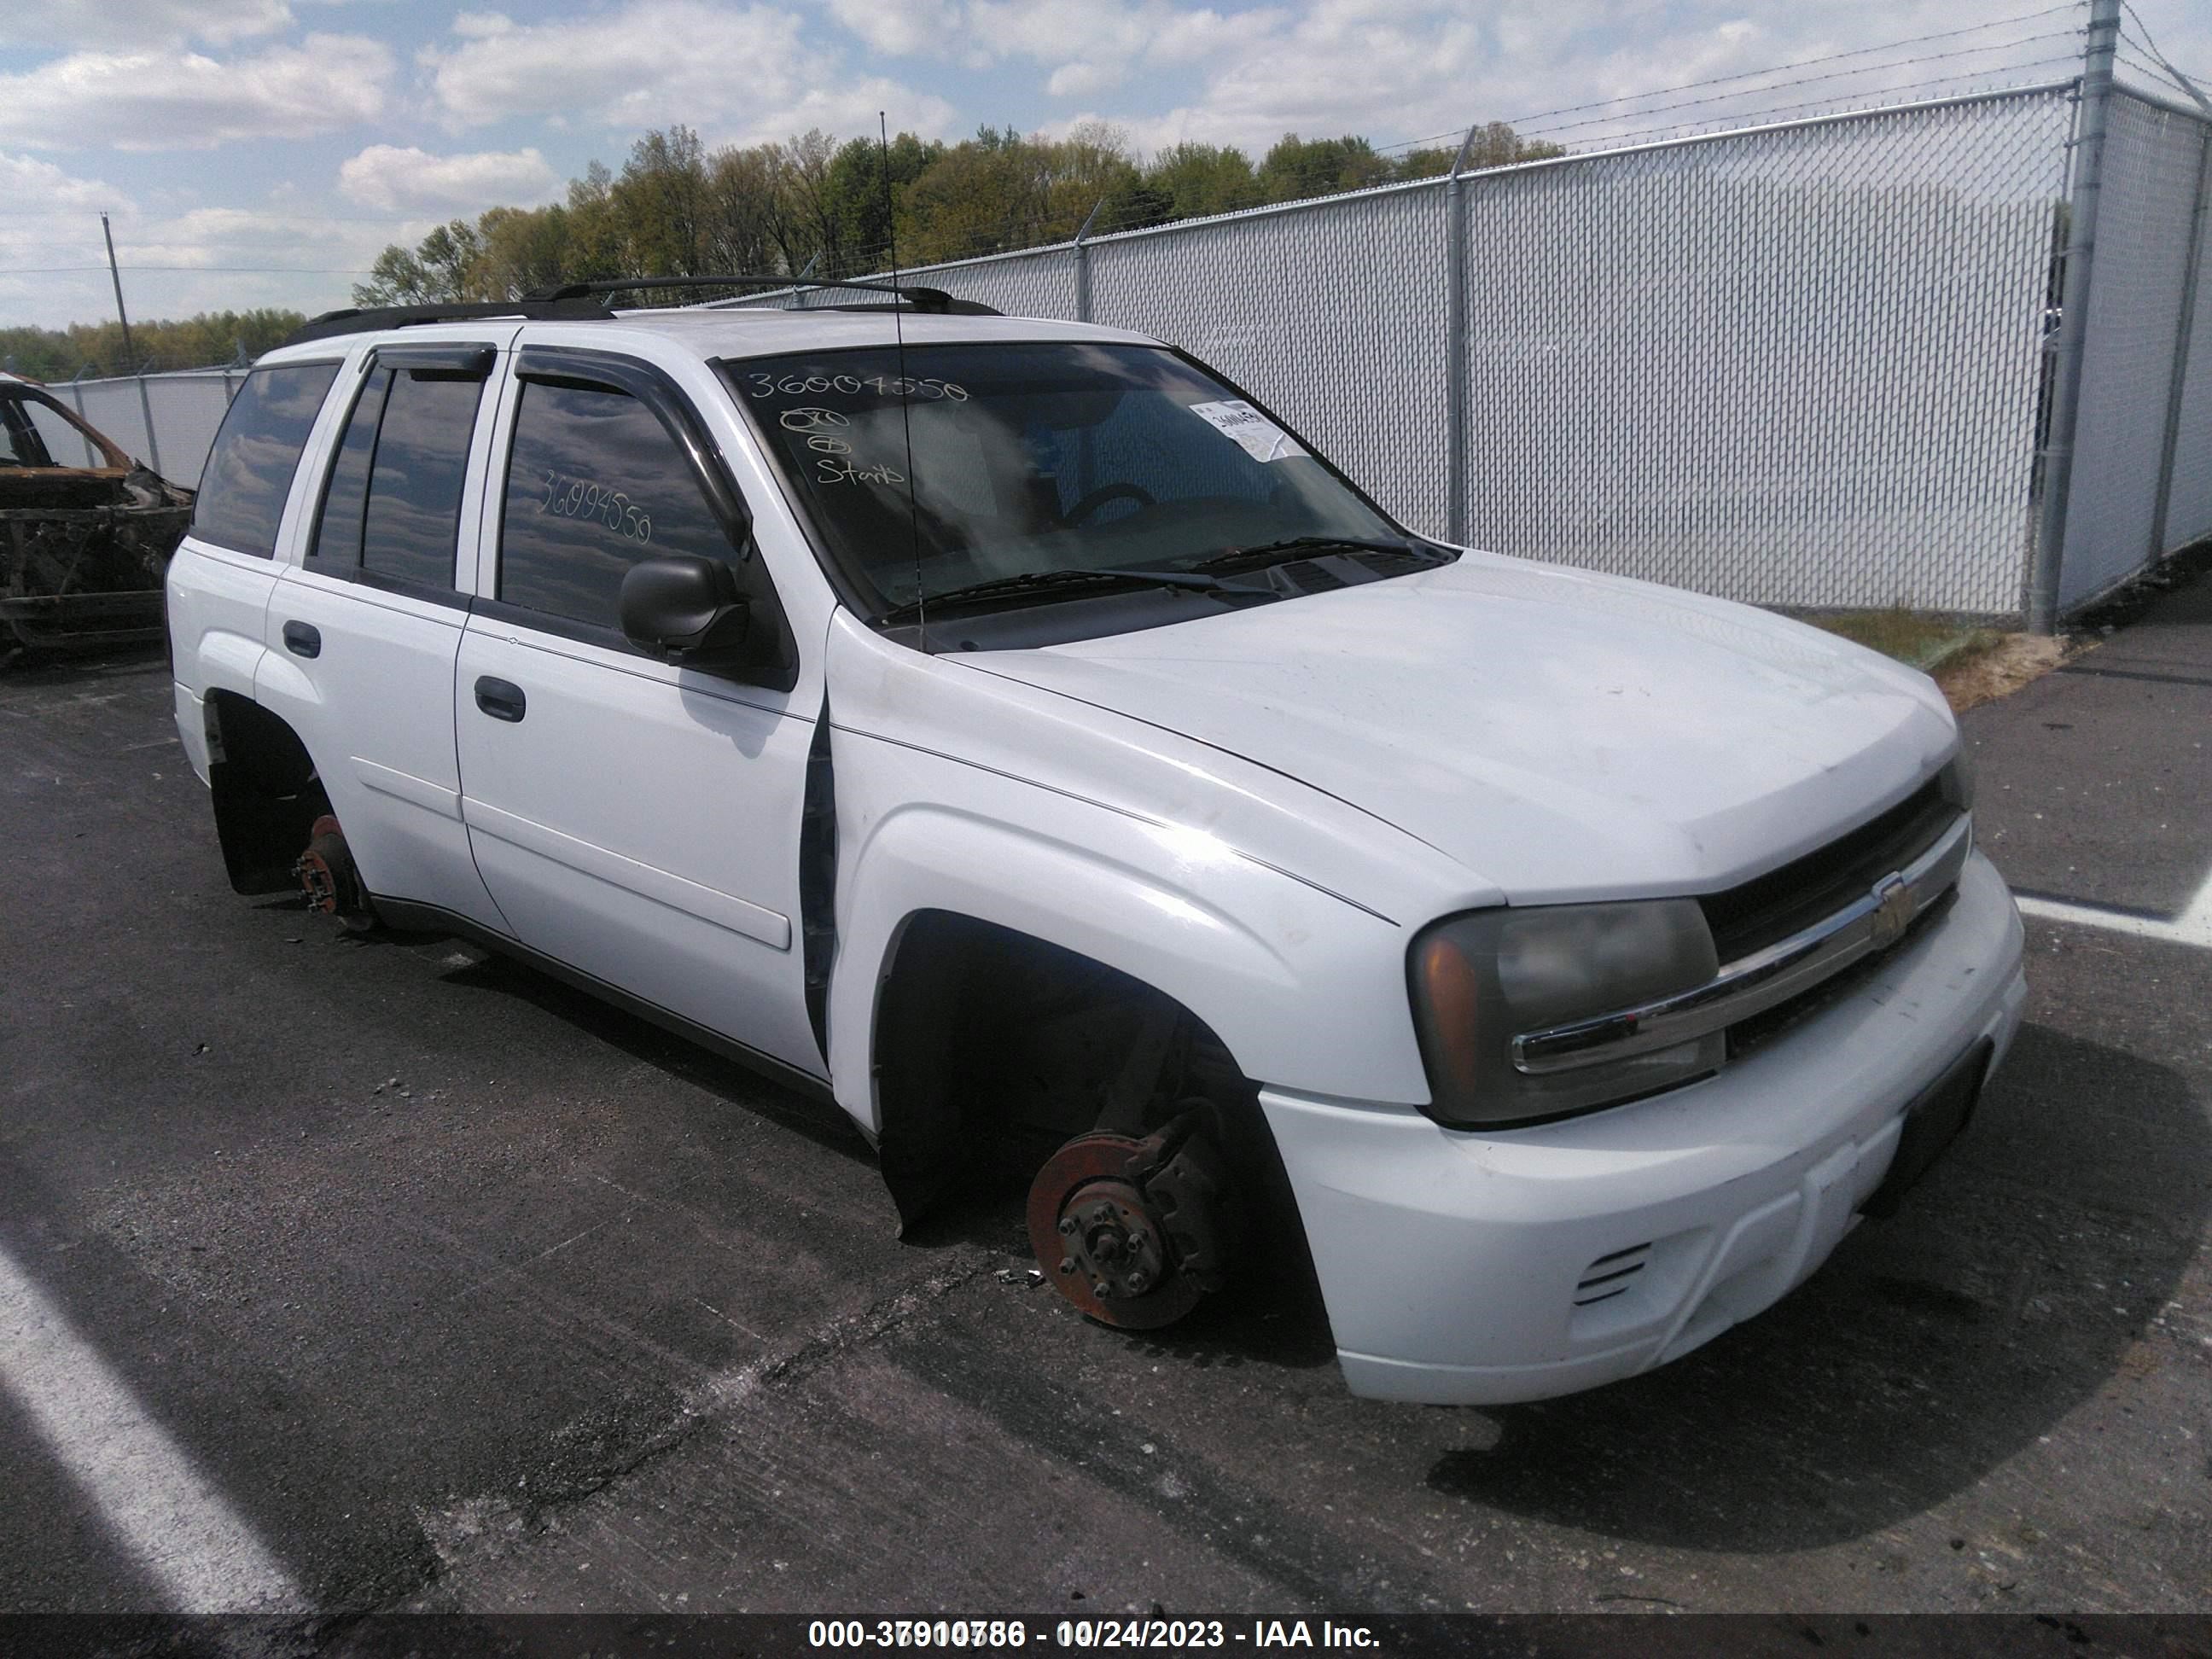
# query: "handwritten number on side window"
{"points": [[578, 498]]}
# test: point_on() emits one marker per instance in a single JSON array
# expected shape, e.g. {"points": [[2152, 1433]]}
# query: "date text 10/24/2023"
{"points": [[1087, 1633]]}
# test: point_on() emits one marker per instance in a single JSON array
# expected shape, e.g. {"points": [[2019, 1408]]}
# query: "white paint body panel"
{"points": [[1254, 813], [1565, 736]]}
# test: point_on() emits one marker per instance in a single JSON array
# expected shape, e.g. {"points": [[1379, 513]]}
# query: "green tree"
{"points": [[436, 273], [1297, 167], [205, 341], [1203, 178], [520, 251], [659, 204]]}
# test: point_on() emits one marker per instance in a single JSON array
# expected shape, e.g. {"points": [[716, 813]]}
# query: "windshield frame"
{"points": [[853, 587]]}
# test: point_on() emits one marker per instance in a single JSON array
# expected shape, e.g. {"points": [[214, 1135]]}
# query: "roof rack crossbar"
{"points": [[933, 300], [361, 320]]}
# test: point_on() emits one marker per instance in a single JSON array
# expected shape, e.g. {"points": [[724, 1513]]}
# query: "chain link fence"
{"points": [[1809, 365]]}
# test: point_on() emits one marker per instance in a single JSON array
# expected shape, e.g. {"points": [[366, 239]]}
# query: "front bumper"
{"points": [[1470, 1268]]}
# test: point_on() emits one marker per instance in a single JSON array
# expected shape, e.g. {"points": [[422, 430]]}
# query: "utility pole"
{"points": [[2094, 112], [130, 356]]}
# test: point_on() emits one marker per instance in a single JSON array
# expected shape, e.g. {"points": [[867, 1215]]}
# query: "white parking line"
{"points": [[2193, 925], [174, 1522]]}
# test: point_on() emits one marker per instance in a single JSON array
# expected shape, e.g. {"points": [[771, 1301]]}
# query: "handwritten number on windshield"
{"points": [[852, 385]]}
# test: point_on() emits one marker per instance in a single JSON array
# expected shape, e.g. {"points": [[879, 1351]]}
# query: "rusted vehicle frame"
{"points": [[83, 548]]}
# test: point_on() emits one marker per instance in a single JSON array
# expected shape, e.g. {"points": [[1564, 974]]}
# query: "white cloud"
{"points": [[1399, 69], [54, 263], [736, 74], [93, 23], [387, 177], [1087, 45], [1081, 80], [645, 65], [185, 100], [901, 31]]}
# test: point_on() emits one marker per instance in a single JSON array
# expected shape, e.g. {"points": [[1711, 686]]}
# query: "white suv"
{"points": [[1010, 730]]}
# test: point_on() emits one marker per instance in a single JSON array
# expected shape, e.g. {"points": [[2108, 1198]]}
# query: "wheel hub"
{"points": [[1102, 1241]]}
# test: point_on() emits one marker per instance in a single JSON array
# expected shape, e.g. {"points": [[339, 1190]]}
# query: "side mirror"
{"points": [[686, 609]]}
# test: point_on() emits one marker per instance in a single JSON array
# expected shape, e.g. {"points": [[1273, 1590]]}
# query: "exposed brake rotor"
{"points": [[1130, 1231], [329, 878]]}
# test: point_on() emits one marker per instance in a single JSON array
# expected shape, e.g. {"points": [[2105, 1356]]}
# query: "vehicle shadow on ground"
{"points": [[2015, 1282], [19, 667], [820, 1121]]}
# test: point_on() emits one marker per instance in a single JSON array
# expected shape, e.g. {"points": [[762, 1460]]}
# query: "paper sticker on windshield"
{"points": [[1258, 436]]}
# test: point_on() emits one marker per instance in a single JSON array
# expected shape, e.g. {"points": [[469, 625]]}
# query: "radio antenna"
{"points": [[906, 387]]}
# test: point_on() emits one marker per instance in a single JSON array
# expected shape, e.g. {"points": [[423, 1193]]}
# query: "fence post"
{"points": [[2177, 381], [146, 407], [2087, 185], [1083, 263], [1456, 345], [77, 397]]}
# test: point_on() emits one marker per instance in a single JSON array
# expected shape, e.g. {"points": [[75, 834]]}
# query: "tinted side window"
{"points": [[250, 471], [393, 505], [336, 540], [415, 483], [594, 485]]}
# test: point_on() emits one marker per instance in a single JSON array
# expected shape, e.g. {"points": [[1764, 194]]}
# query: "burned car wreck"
{"points": [[83, 548]]}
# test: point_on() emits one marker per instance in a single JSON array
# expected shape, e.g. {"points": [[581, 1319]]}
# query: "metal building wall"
{"points": [[166, 421], [2143, 224], [2189, 506]]}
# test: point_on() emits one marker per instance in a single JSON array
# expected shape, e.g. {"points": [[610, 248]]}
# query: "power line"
{"points": [[1835, 75], [1598, 146], [2187, 81], [1748, 75]]}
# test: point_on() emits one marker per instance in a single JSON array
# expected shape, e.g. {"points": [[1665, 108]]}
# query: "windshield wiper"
{"points": [[1041, 581], [1296, 546]]}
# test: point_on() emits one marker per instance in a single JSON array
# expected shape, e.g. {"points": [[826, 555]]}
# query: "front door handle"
{"points": [[303, 639], [501, 699]]}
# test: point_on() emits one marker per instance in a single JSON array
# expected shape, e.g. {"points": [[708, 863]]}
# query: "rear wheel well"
{"points": [[993, 1048], [267, 795]]}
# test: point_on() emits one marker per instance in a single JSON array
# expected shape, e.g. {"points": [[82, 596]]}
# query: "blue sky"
{"points": [[259, 152]]}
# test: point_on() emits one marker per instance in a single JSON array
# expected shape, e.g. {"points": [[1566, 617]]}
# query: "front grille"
{"points": [[1747, 1037], [1771, 908], [1612, 1275]]}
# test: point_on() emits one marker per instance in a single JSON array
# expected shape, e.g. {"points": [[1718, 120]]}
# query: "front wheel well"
{"points": [[995, 1048]]}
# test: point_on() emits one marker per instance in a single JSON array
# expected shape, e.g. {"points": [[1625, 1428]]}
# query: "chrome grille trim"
{"points": [[1762, 979]]}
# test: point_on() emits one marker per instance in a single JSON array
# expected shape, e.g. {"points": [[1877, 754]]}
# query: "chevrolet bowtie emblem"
{"points": [[1893, 911]]}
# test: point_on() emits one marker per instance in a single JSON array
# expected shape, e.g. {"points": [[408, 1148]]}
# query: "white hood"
{"points": [[1560, 734]]}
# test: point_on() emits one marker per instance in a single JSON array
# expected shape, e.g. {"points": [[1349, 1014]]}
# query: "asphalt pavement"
{"points": [[384, 1275]]}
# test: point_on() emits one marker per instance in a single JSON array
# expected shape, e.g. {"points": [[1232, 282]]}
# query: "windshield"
{"points": [[1027, 460]]}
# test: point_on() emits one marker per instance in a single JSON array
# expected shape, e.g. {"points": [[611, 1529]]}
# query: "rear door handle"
{"points": [[501, 699], [303, 639]]}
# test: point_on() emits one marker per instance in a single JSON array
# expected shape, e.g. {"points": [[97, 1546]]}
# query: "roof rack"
{"points": [[585, 302], [361, 320], [934, 300]]}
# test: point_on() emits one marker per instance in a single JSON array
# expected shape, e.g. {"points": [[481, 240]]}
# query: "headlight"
{"points": [[1480, 980]]}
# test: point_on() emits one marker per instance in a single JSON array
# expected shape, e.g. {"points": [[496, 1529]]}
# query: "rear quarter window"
{"points": [[249, 472]]}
